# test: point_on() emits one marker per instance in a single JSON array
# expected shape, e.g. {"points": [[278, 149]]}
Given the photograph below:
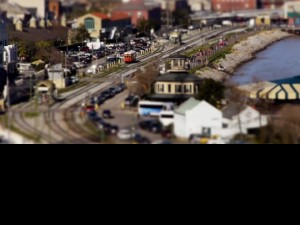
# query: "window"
{"points": [[162, 88], [89, 23], [175, 61], [178, 89], [170, 88]]}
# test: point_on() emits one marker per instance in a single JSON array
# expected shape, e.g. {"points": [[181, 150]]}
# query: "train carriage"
{"points": [[130, 57]]}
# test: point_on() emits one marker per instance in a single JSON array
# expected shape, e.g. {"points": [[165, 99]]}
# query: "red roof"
{"points": [[114, 16], [119, 16], [101, 16]]}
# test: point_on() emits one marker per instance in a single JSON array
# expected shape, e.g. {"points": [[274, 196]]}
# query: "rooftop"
{"points": [[114, 16], [188, 105], [179, 77], [232, 110], [36, 35]]}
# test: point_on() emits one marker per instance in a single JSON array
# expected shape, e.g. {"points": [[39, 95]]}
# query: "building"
{"points": [[200, 5], [233, 5], [270, 4], [99, 23], [241, 119], [55, 9], [201, 118], [3, 73], [197, 117], [38, 8], [15, 12], [292, 12], [173, 5], [3, 40], [138, 10], [177, 85]]}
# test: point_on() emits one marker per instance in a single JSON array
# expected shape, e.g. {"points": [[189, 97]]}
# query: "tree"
{"points": [[146, 77], [211, 91], [81, 35], [26, 50], [182, 17], [145, 26], [284, 127]]}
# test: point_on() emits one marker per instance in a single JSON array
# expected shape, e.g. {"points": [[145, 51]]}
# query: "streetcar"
{"points": [[130, 57]]}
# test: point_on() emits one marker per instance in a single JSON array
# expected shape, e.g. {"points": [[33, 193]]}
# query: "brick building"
{"points": [[137, 10], [233, 5]]}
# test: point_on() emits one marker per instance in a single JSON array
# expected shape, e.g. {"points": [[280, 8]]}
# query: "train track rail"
{"points": [[61, 118]]}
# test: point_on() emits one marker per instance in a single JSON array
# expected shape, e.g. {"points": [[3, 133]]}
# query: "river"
{"points": [[281, 60]]}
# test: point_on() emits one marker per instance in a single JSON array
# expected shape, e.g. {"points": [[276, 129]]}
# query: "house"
{"points": [[98, 23], [177, 85], [240, 119], [15, 12], [57, 76], [138, 10], [38, 8], [197, 117], [233, 5]]}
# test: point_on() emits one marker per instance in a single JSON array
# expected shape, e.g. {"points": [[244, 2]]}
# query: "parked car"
{"points": [[107, 114], [125, 134]]}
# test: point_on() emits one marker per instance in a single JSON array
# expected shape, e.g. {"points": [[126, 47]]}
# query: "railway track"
{"points": [[60, 119]]}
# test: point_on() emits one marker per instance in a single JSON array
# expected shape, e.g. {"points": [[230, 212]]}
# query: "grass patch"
{"points": [[31, 114], [195, 69], [220, 54], [72, 87]]}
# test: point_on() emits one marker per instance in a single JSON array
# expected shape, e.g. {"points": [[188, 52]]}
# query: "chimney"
{"points": [[42, 23], [19, 25], [64, 21], [33, 23]]}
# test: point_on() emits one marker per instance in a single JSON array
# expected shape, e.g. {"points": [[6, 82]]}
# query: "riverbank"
{"points": [[241, 53]]}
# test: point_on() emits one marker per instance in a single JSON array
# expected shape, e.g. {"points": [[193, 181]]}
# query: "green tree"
{"points": [[45, 50], [182, 17], [26, 50], [81, 34], [211, 91]]}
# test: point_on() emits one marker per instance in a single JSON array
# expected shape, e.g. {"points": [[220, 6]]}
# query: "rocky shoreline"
{"points": [[242, 53]]}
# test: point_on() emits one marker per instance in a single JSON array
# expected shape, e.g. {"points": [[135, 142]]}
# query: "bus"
{"points": [[148, 108], [130, 57]]}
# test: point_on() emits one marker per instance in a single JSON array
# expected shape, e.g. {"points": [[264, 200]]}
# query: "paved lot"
{"points": [[126, 118]]}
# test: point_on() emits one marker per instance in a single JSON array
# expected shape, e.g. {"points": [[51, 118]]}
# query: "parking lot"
{"points": [[126, 118]]}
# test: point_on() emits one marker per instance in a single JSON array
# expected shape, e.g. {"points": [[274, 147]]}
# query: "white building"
{"points": [[37, 7], [10, 54], [200, 5], [195, 117], [3, 41], [199, 117], [240, 119]]}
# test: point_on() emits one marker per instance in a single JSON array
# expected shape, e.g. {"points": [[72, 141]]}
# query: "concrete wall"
{"points": [[39, 5]]}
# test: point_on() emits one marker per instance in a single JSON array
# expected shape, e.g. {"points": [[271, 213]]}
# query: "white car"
{"points": [[74, 79], [125, 134]]}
